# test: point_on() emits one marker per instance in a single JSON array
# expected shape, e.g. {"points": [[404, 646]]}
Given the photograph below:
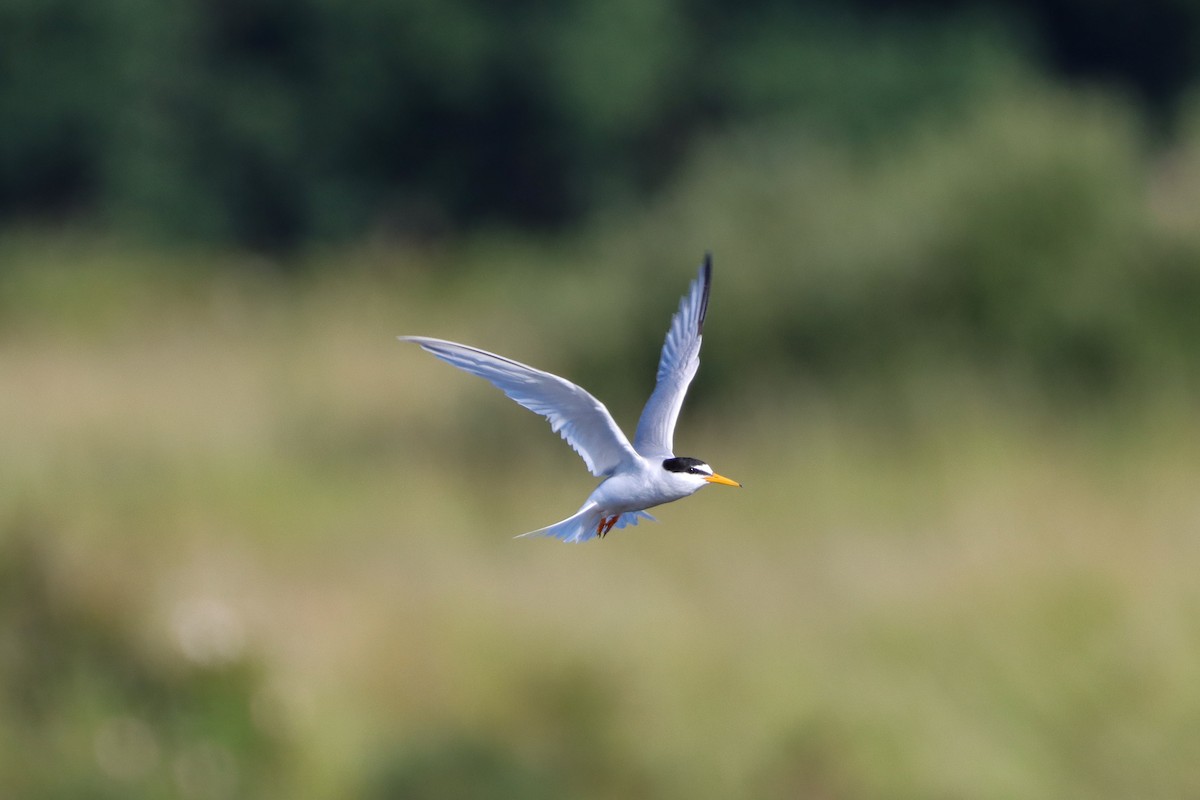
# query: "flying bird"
{"points": [[636, 476]]}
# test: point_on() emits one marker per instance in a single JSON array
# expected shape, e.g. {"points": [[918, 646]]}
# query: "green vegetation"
{"points": [[252, 547], [261, 534], [270, 124]]}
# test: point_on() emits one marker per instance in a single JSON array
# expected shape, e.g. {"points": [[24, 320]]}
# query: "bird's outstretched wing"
{"points": [[573, 413], [676, 367]]}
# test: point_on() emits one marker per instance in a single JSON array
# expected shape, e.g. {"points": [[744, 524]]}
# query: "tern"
{"points": [[636, 476]]}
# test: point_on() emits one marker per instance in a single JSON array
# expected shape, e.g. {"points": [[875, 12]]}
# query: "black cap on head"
{"points": [[684, 464]]}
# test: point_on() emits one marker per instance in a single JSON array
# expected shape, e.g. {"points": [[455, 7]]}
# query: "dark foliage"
{"points": [[271, 124]]}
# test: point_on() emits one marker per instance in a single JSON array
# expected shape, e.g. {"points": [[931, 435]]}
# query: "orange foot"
{"points": [[606, 525]]}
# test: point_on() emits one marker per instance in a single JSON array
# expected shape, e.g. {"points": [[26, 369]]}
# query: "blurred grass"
{"points": [[254, 547]]}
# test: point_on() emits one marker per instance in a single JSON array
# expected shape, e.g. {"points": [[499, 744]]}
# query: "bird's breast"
{"points": [[635, 491]]}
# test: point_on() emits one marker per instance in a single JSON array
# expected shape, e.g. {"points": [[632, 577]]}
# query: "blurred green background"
{"points": [[251, 547]]}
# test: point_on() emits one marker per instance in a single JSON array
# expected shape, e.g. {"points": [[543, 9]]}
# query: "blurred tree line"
{"points": [[273, 124]]}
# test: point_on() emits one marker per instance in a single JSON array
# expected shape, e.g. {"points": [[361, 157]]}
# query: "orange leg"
{"points": [[606, 525]]}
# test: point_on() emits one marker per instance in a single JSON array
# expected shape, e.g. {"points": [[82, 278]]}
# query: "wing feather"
{"points": [[573, 413], [676, 367]]}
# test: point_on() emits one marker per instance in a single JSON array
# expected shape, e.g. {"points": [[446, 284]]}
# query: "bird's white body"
{"points": [[643, 484], [636, 476]]}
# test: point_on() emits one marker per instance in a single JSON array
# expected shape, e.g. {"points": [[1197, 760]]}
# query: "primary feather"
{"points": [[573, 413], [676, 367]]}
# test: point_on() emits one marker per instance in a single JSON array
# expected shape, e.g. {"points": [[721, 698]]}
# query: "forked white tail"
{"points": [[585, 524]]}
